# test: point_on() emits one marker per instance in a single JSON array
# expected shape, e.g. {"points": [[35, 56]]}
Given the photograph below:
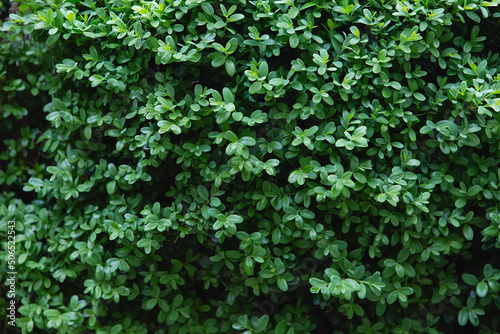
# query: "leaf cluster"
{"points": [[196, 160]]}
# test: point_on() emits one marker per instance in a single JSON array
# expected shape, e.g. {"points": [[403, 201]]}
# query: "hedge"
{"points": [[282, 167]]}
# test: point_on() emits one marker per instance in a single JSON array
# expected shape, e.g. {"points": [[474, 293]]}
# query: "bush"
{"points": [[276, 166]]}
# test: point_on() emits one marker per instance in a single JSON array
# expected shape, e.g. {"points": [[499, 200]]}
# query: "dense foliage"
{"points": [[189, 166]]}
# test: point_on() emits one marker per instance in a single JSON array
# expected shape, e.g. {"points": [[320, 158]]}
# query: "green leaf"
{"points": [[474, 190], [237, 116], [178, 301], [262, 323], [463, 317], [219, 60], [247, 141], [482, 289], [280, 328], [232, 254], [235, 219], [460, 203], [473, 16], [297, 85], [207, 8], [255, 87], [488, 271], [419, 96], [236, 17], [51, 40], [468, 232], [282, 284], [276, 235], [111, 187], [52, 314], [203, 192], [59, 104], [230, 67], [470, 279], [393, 296], [87, 132]]}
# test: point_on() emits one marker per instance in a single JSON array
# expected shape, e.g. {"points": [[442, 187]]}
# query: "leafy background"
{"points": [[273, 166]]}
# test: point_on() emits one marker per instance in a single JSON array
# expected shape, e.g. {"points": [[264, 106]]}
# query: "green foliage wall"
{"points": [[252, 166]]}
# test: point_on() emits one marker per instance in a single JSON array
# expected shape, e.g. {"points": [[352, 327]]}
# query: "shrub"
{"points": [[275, 166]]}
